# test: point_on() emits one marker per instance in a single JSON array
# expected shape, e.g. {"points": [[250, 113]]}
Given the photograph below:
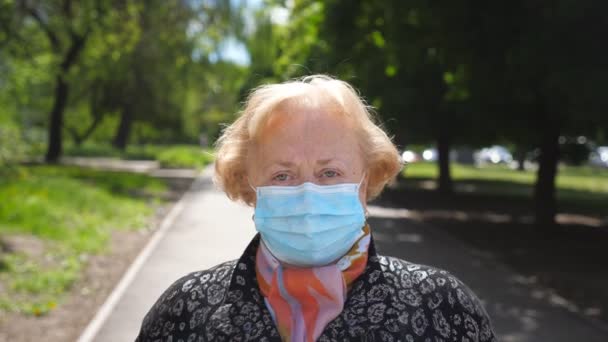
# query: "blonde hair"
{"points": [[317, 91]]}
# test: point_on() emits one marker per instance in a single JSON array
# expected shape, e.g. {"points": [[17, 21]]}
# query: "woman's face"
{"points": [[313, 146]]}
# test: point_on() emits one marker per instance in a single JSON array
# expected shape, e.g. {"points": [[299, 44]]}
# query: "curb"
{"points": [[92, 329]]}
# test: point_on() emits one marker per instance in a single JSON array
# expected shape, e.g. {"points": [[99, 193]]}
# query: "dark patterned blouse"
{"points": [[393, 300]]}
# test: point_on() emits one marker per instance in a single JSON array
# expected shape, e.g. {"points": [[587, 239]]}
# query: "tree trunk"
{"points": [[55, 147], [521, 158], [544, 189], [124, 128], [80, 138], [443, 151]]}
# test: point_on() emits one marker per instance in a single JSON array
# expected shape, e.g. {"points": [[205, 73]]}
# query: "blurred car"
{"points": [[409, 156], [430, 154], [494, 155], [599, 157]]}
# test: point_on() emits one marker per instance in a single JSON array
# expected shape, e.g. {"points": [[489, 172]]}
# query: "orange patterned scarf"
{"points": [[303, 301]]}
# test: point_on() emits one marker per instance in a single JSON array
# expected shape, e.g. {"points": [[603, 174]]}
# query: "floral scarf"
{"points": [[303, 301]]}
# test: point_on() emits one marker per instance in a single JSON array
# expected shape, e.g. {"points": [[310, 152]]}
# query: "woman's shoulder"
{"points": [[187, 302], [430, 282], [424, 276], [439, 296]]}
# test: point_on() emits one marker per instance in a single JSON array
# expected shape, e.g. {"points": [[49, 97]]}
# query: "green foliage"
{"points": [[133, 152], [212, 100], [185, 157], [90, 149], [12, 147], [36, 289], [146, 63], [72, 211], [69, 204], [169, 156], [299, 42]]}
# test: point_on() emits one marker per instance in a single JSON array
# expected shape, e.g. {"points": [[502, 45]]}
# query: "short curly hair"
{"points": [[317, 91]]}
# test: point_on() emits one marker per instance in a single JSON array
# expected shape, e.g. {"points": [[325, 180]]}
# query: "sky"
{"points": [[233, 50]]}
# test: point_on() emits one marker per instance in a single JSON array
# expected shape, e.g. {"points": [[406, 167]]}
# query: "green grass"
{"points": [[169, 156], [90, 149], [72, 212], [184, 157], [576, 186]]}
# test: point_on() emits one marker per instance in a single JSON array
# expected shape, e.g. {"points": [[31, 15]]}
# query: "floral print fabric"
{"points": [[302, 301], [393, 300]]}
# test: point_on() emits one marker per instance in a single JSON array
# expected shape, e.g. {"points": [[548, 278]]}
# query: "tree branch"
{"points": [[55, 44], [76, 47]]}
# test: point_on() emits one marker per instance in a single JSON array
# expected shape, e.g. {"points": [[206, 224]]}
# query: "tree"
{"points": [[158, 75], [67, 26], [405, 59], [534, 72]]}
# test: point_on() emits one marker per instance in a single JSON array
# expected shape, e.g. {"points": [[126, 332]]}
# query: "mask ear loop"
{"points": [[252, 187], [358, 188], [361, 181], [255, 191]]}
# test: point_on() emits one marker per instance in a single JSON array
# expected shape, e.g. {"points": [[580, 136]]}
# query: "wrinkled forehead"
{"points": [[312, 103]]}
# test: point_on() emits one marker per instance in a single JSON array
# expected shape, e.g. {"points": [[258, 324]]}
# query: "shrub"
{"points": [[13, 148], [183, 156]]}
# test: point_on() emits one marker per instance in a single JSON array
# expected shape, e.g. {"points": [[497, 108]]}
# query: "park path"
{"points": [[205, 228]]}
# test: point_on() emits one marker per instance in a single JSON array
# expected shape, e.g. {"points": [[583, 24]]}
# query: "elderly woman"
{"points": [[307, 156]]}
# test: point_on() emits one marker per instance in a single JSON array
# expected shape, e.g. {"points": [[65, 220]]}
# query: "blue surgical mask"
{"points": [[309, 225]]}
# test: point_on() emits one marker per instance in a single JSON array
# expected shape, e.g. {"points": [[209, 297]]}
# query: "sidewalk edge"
{"points": [[92, 329]]}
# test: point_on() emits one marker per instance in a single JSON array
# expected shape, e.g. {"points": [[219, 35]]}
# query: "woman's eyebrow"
{"points": [[289, 164], [338, 162], [324, 161], [283, 163]]}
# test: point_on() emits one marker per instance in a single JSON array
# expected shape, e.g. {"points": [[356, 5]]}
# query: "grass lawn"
{"points": [[577, 187], [169, 156], [184, 156], [64, 214]]}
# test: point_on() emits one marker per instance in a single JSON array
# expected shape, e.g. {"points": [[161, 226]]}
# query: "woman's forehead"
{"points": [[305, 114], [317, 137], [307, 126], [305, 105]]}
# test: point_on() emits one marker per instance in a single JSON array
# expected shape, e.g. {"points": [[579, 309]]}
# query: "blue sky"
{"points": [[231, 49], [235, 51]]}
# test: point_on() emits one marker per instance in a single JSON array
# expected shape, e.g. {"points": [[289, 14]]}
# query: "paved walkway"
{"points": [[207, 229], [151, 167]]}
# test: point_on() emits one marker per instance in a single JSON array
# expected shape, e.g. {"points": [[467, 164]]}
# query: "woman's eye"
{"points": [[281, 177], [330, 174]]}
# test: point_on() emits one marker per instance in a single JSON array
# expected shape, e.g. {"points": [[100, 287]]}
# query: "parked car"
{"points": [[409, 156], [493, 155], [430, 154], [599, 157]]}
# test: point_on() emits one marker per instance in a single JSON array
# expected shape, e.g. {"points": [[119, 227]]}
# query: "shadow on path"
{"points": [[523, 306], [520, 310]]}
